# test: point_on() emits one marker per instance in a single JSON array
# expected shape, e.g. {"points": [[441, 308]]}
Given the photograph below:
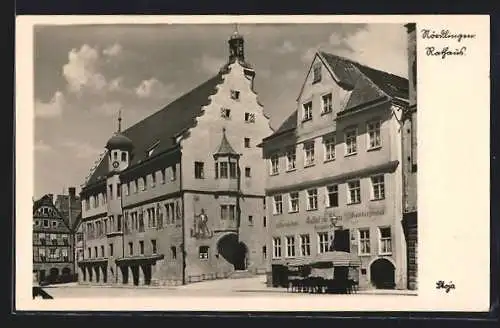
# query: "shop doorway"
{"points": [[135, 275], [341, 241], [382, 274], [146, 269]]}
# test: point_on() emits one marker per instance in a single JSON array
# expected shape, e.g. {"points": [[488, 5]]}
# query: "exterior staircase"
{"points": [[239, 274]]}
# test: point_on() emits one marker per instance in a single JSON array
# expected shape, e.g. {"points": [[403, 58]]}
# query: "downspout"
{"points": [[123, 236], [183, 248]]}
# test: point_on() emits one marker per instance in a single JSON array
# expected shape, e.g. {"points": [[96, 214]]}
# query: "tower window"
{"points": [[115, 155], [248, 172], [124, 156], [235, 94], [247, 142]]}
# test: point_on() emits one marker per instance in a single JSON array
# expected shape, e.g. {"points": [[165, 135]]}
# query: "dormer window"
{"points": [[307, 111], [225, 113], [152, 149], [316, 72], [235, 95]]}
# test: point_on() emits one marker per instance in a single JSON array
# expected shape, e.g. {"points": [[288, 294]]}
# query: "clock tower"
{"points": [[236, 47], [119, 150]]}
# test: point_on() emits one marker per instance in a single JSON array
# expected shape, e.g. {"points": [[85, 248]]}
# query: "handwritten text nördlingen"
{"points": [[446, 34]]}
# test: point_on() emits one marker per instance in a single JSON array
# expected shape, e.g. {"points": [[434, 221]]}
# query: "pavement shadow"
{"points": [[39, 292]]}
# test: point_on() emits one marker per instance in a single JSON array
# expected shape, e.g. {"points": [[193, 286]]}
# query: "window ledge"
{"points": [[329, 160], [291, 170], [385, 254], [311, 209], [325, 113], [377, 199], [276, 214], [291, 212], [351, 154], [356, 203], [306, 120], [309, 165], [273, 174], [364, 254], [374, 148], [336, 206]]}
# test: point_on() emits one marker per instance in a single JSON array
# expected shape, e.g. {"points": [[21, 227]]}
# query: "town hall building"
{"points": [[179, 196]]}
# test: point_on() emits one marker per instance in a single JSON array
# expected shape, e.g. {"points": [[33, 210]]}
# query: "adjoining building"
{"points": [[53, 251], [409, 148], [179, 196], [334, 181]]}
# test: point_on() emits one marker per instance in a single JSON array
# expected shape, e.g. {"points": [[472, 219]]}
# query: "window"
{"points": [[131, 248], [54, 253], [378, 190], [307, 111], [323, 242], [110, 192], [225, 113], [153, 246], [354, 192], [203, 251], [126, 187], [174, 173], [316, 72], [45, 223], [264, 252], [198, 170], [95, 252], [53, 238], [162, 176], [144, 183], [364, 241], [264, 221], [223, 170], [373, 131], [64, 254], [228, 212], [65, 240], [41, 236], [173, 250], [248, 172], [293, 202], [276, 247], [118, 191], [332, 195], [232, 170], [124, 156], [290, 159], [89, 253], [327, 103], [305, 245], [350, 142], [247, 142], [102, 250], [290, 246], [278, 204], [153, 179], [141, 247], [312, 199], [41, 253], [115, 155], [111, 250], [54, 224], [329, 144], [274, 164], [385, 241], [309, 153], [249, 118], [250, 219], [235, 95]]}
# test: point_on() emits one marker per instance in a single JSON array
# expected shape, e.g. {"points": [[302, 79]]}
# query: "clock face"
{"points": [[116, 164]]}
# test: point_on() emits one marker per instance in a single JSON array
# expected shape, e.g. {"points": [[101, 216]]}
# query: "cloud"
{"points": [[41, 146], [286, 48], [82, 69], [109, 108], [53, 108], [291, 75], [210, 64], [82, 150], [113, 50], [153, 88]]}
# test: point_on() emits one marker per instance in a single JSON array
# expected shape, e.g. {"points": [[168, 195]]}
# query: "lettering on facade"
{"points": [[286, 224], [370, 212]]}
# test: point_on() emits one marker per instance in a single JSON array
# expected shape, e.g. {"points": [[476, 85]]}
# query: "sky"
{"points": [[85, 74]]}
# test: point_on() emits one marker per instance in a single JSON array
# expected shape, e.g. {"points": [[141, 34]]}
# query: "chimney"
{"points": [[72, 193], [51, 197]]}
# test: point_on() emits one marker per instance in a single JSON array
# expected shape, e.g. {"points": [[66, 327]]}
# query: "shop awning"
{"points": [[139, 259], [298, 262], [338, 258]]}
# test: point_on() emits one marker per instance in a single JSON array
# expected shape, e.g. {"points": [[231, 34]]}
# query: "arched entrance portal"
{"points": [[233, 251], [382, 274]]}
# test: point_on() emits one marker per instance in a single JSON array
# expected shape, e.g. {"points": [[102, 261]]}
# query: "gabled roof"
{"points": [[366, 85], [225, 147], [163, 126]]}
